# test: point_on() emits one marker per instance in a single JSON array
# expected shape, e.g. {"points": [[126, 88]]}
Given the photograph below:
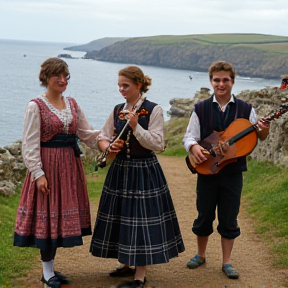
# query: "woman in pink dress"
{"points": [[54, 206]]}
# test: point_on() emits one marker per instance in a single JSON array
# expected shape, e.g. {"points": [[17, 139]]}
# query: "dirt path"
{"points": [[250, 256]]}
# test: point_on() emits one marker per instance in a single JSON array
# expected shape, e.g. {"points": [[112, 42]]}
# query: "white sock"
{"points": [[48, 269]]}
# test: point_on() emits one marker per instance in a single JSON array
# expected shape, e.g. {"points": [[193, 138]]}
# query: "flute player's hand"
{"points": [[116, 146], [132, 117]]}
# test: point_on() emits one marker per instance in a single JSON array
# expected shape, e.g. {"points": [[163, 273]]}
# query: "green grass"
{"points": [[174, 131], [177, 151], [95, 180], [265, 198], [14, 261], [281, 48], [240, 38], [267, 43], [232, 38]]}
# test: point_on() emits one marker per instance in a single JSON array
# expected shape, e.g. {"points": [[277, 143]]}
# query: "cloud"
{"points": [[81, 21]]}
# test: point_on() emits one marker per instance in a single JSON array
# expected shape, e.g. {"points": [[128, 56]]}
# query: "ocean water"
{"points": [[93, 84]]}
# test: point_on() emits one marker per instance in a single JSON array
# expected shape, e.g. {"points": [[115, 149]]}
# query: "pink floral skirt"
{"points": [[58, 219]]}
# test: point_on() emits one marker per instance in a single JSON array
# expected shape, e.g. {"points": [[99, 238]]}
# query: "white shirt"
{"points": [[152, 139]]}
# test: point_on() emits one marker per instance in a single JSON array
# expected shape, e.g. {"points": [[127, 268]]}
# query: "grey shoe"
{"points": [[195, 262], [230, 272]]}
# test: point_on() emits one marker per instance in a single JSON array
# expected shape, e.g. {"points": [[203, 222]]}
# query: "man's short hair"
{"points": [[221, 66]]}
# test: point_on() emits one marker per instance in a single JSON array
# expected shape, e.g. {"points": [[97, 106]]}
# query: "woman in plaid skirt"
{"points": [[136, 221]]}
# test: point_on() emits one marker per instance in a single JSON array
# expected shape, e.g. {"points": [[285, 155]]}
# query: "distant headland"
{"points": [[253, 55]]}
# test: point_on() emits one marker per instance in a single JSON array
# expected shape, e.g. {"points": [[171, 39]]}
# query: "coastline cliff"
{"points": [[253, 55]]}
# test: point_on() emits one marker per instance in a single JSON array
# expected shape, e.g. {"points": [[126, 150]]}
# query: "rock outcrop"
{"points": [[182, 107], [12, 168], [266, 102]]}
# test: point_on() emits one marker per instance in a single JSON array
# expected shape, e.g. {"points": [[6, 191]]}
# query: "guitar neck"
{"points": [[240, 135]]}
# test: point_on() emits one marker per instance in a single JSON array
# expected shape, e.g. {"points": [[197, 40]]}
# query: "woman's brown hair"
{"points": [[52, 67], [135, 74]]}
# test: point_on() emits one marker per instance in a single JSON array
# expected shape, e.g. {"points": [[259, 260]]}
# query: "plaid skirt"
{"points": [[136, 221]]}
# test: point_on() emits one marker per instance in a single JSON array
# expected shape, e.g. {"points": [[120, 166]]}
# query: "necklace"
{"points": [[60, 105]]}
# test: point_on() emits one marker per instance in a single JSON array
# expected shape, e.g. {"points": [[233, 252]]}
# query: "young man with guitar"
{"points": [[220, 187]]}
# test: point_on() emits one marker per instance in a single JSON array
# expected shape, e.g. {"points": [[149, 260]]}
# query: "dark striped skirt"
{"points": [[136, 221]]}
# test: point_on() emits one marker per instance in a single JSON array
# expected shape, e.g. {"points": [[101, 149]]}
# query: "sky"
{"points": [[82, 21]]}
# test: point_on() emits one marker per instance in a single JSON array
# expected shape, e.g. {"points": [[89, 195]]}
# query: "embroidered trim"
{"points": [[65, 115]]}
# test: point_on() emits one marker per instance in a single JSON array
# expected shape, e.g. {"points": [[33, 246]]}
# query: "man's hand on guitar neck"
{"points": [[262, 129], [198, 153]]}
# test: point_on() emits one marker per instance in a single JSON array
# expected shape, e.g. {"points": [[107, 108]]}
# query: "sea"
{"points": [[93, 84]]}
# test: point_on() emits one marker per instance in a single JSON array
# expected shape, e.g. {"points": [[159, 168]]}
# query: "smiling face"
{"points": [[128, 88], [58, 82], [54, 72], [222, 84]]}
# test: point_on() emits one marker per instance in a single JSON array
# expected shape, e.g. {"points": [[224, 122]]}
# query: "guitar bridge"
{"points": [[212, 152]]}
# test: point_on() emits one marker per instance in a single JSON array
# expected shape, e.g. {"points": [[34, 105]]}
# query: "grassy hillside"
{"points": [[265, 198], [253, 55], [240, 38], [269, 42]]}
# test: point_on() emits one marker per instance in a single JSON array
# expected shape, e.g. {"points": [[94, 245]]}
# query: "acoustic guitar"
{"points": [[237, 140]]}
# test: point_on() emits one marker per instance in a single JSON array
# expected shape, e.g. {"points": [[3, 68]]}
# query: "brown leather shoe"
{"points": [[122, 272]]}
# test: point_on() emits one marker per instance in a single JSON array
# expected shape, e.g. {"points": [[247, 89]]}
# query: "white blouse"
{"points": [[31, 133], [152, 139]]}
